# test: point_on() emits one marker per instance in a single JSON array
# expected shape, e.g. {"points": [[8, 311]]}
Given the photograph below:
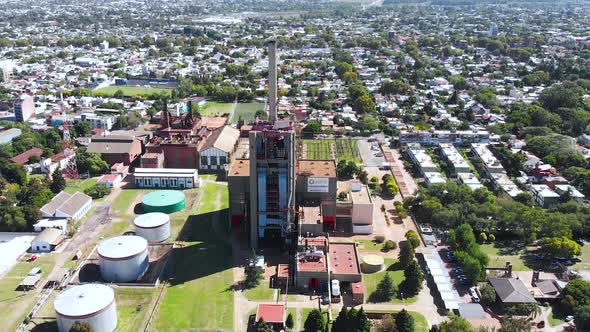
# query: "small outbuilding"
{"points": [[271, 313], [47, 240]]}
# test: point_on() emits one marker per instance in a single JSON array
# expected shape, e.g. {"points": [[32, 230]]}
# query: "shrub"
{"points": [[491, 238], [389, 245], [413, 238], [483, 238], [379, 238], [97, 191]]}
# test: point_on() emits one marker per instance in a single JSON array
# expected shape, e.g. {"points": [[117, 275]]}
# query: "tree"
{"points": [[413, 238], [404, 322], [81, 327], [262, 326], [512, 324], [91, 162], [347, 168], [560, 247], [483, 238], [289, 321], [119, 94], [413, 278], [582, 318], [82, 129], [565, 94], [58, 182], [341, 322], [576, 293], [314, 322], [389, 245], [363, 177], [254, 274], [311, 128], [364, 104], [406, 254], [97, 191], [456, 324], [395, 87], [386, 290], [362, 322], [488, 295]]}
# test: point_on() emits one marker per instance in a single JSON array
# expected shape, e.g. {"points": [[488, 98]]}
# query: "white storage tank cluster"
{"points": [[123, 258], [91, 303], [154, 227]]}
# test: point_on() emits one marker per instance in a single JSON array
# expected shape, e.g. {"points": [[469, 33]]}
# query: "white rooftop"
{"points": [[122, 246], [84, 300]]}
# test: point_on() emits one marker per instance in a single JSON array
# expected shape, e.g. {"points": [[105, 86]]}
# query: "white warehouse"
{"points": [[180, 178]]}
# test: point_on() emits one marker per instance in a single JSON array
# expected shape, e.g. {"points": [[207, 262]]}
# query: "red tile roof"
{"points": [[108, 178], [24, 157], [343, 259], [358, 288], [271, 313], [283, 271]]}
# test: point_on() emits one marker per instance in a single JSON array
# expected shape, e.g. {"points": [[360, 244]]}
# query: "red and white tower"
{"points": [[71, 170]]}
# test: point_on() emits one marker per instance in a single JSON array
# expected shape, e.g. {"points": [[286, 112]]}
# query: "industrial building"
{"points": [[91, 303], [319, 261], [65, 205], [47, 240], [116, 148], [154, 227], [180, 178], [273, 194], [123, 258]]}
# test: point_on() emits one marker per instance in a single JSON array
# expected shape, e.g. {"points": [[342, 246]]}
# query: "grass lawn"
{"points": [[421, 322], [15, 305], [371, 280], [247, 111], [499, 259], [369, 245], [199, 295], [133, 307], [129, 91], [215, 108], [262, 292], [79, 185], [125, 198], [584, 265]]}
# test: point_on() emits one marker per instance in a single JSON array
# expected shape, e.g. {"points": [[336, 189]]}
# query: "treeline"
{"points": [[450, 205]]}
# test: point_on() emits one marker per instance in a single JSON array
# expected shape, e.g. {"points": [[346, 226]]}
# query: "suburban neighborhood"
{"points": [[345, 165]]}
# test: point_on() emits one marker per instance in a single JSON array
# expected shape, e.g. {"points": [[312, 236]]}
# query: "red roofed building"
{"points": [[273, 314], [24, 157], [110, 180]]}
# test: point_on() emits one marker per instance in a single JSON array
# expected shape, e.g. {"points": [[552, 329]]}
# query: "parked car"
{"points": [[325, 299], [450, 256], [474, 296], [335, 287]]}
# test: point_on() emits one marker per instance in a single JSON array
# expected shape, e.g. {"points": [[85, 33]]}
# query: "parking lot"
{"points": [[371, 153]]}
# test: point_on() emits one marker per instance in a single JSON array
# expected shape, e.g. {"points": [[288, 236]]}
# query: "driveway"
{"points": [[368, 155]]}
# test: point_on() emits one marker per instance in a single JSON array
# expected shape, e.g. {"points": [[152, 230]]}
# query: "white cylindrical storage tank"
{"points": [[154, 227], [123, 258], [91, 303]]}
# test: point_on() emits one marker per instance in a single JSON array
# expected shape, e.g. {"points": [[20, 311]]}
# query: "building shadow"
{"points": [[205, 248]]}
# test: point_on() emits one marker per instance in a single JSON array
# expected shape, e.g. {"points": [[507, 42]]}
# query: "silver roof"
{"points": [[122, 246], [84, 300], [151, 220]]}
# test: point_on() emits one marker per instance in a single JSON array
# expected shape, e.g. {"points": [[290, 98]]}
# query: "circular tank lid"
{"points": [[163, 198], [122, 246], [151, 220], [84, 300], [373, 260]]}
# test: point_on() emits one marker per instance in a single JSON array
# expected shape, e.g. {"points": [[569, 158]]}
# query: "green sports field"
{"points": [[130, 91]]}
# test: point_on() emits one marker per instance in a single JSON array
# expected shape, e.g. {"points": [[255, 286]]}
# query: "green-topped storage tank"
{"points": [[165, 201]]}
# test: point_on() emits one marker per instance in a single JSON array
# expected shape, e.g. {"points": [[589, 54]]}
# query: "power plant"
{"points": [[91, 303]]}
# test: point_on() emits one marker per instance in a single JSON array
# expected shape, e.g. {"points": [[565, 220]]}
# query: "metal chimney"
{"points": [[272, 81]]}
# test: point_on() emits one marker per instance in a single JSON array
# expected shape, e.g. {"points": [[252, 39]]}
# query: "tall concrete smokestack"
{"points": [[272, 81]]}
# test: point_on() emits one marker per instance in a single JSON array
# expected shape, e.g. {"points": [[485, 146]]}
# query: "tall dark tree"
{"points": [[58, 182], [413, 278], [341, 322], [404, 322], [406, 254], [315, 321], [386, 289]]}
